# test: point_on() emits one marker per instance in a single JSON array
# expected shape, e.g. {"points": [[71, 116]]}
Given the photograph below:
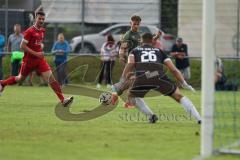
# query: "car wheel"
{"points": [[88, 49]]}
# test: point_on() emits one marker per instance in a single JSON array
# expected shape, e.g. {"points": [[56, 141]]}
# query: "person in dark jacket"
{"points": [[180, 53]]}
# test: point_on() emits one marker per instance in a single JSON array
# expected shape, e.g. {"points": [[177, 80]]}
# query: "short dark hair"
{"points": [[179, 39], [17, 24], [136, 18], [41, 13], [147, 37], [110, 38]]}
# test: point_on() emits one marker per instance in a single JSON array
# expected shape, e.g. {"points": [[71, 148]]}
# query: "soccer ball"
{"points": [[105, 98]]}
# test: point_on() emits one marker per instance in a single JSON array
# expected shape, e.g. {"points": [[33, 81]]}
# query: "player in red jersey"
{"points": [[33, 60]]}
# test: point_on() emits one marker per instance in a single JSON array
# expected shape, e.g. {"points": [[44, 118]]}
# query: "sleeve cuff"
{"points": [[167, 59]]}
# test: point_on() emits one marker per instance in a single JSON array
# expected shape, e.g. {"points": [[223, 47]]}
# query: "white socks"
{"points": [[186, 103], [143, 107], [190, 108]]}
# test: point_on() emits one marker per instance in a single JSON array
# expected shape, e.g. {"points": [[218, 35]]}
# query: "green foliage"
{"points": [[92, 65]]}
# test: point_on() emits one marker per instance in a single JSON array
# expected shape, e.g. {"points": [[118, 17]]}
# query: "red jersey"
{"points": [[34, 39]]}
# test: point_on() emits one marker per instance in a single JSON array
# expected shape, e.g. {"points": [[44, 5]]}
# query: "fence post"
{"points": [[82, 24]]}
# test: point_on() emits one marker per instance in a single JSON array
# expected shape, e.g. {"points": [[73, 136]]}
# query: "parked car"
{"points": [[93, 42]]}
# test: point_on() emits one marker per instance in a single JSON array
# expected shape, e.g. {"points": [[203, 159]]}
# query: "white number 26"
{"points": [[148, 56]]}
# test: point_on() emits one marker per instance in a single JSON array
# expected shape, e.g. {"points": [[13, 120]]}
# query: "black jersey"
{"points": [[181, 63], [148, 59]]}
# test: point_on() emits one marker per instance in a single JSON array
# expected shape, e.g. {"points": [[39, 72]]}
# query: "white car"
{"points": [[93, 42]]}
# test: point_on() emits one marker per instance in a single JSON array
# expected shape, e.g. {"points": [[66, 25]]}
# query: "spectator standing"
{"points": [[108, 56], [61, 50], [220, 78], [180, 53], [2, 43], [218, 70], [13, 46]]}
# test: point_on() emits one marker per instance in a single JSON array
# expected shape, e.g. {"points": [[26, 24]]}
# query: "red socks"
{"points": [[54, 85], [10, 81], [56, 88]]}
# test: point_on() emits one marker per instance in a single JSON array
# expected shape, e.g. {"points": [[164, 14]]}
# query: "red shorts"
{"points": [[30, 65]]}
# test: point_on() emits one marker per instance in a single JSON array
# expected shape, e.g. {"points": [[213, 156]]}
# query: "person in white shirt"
{"points": [[108, 55]]}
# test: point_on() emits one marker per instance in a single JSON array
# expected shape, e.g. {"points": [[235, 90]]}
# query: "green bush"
{"points": [[88, 68]]}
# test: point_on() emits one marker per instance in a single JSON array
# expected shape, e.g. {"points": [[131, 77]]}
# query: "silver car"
{"points": [[93, 42]]}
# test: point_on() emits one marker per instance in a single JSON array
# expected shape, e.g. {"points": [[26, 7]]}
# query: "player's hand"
{"points": [[187, 86], [173, 54], [42, 45], [179, 56]]}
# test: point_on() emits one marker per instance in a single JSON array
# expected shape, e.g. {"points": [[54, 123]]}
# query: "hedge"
{"points": [[88, 68]]}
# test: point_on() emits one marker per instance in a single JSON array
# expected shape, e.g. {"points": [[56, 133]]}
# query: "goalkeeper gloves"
{"points": [[187, 86]]}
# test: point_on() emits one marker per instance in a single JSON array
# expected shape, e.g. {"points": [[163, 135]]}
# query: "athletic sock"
{"points": [[190, 108], [56, 88], [10, 81], [143, 107]]}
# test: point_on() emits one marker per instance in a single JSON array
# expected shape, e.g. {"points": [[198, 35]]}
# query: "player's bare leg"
{"points": [[187, 104], [11, 81], [48, 77], [119, 88], [123, 85]]}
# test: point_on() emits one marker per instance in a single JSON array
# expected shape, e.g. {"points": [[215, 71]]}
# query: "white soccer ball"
{"points": [[105, 98]]}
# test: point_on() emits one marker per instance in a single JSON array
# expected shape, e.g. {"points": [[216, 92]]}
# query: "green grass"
{"points": [[29, 130]]}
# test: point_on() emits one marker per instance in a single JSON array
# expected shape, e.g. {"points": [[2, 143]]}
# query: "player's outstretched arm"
{"points": [[177, 74], [25, 48]]}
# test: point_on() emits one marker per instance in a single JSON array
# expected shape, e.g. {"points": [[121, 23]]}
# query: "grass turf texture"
{"points": [[29, 130]]}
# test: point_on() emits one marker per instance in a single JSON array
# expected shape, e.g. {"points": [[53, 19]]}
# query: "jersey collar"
{"points": [[36, 28]]}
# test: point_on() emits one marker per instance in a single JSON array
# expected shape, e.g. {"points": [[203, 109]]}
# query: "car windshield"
{"points": [[115, 30], [143, 29]]}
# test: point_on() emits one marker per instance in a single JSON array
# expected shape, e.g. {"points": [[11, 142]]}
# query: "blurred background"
{"points": [[85, 24], [83, 17]]}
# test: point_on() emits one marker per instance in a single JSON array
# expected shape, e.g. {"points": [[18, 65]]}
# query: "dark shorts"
{"points": [[38, 65], [142, 85]]}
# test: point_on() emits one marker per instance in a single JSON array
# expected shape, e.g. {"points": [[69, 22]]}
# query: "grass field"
{"points": [[29, 130]]}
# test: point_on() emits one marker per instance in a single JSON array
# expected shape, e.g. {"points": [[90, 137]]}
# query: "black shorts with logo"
{"points": [[142, 85]]}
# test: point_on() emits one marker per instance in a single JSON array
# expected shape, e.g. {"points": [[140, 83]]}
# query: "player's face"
{"points": [[40, 20], [17, 29], [179, 43], [61, 38], [134, 25]]}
